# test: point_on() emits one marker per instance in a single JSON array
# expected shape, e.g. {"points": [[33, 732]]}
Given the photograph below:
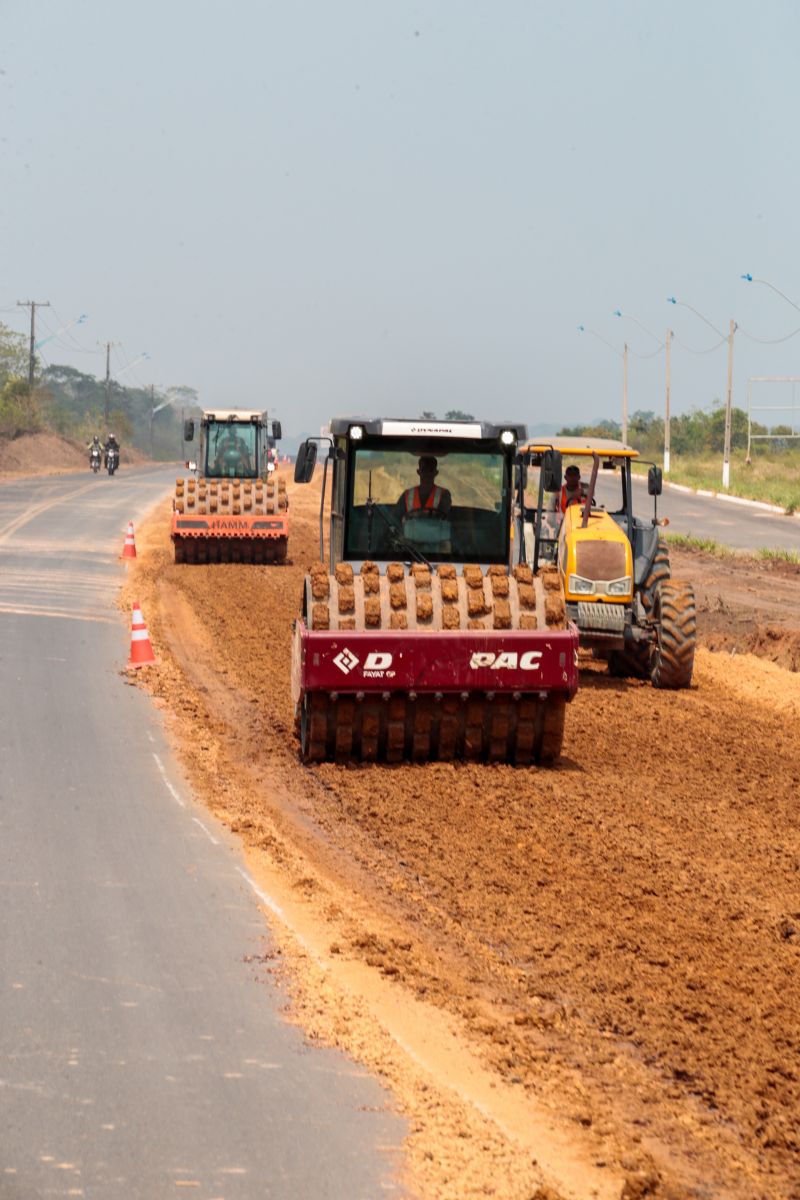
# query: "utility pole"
{"points": [[32, 305], [152, 415], [666, 409], [625, 394], [726, 454], [108, 383]]}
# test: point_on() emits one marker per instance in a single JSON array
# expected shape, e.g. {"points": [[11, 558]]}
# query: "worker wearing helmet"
{"points": [[111, 443]]}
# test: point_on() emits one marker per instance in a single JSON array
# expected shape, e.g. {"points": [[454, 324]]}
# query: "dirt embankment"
{"points": [[50, 454], [746, 605], [609, 950]]}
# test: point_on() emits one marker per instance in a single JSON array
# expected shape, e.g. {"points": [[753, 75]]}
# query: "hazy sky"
{"points": [[331, 206]]}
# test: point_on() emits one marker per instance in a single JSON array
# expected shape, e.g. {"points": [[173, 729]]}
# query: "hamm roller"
{"points": [[417, 640], [233, 507]]}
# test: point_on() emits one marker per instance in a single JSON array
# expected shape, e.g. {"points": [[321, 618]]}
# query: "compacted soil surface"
{"points": [[577, 982]]}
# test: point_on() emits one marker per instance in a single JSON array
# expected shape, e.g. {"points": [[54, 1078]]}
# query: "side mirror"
{"points": [[654, 481], [188, 431], [551, 470], [276, 431], [306, 461]]}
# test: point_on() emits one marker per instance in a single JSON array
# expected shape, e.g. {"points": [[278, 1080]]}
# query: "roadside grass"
{"points": [[780, 555], [708, 545], [774, 478], [685, 541]]}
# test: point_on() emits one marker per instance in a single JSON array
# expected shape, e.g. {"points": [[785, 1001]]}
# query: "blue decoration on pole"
{"points": [[671, 300], [748, 277]]}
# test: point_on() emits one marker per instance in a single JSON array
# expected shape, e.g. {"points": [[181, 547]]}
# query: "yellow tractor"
{"points": [[614, 566]]}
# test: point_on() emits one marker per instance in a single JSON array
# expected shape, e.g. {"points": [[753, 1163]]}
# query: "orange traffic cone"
{"points": [[129, 549], [141, 650]]}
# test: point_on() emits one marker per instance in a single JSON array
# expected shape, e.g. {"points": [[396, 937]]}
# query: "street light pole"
{"points": [[619, 313], [726, 452], [624, 357], [32, 305], [625, 395], [666, 405]]}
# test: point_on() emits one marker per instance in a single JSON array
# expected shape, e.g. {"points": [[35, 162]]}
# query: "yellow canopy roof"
{"points": [[605, 447]]}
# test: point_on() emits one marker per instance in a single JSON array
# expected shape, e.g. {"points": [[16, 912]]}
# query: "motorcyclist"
{"points": [[95, 449], [111, 444]]}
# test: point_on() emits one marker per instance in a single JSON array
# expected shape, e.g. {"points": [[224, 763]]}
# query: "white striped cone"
{"points": [[129, 549], [141, 650]]}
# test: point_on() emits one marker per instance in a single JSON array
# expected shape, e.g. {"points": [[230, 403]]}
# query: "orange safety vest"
{"points": [[576, 499], [414, 500]]}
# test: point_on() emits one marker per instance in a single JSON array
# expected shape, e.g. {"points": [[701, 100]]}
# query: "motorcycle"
{"points": [[94, 460], [112, 459]]}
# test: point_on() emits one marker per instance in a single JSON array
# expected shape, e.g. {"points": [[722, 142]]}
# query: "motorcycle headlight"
{"points": [[619, 587], [580, 586]]}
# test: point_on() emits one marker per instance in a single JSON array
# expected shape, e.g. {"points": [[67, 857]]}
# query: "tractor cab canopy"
{"points": [[426, 491], [591, 455], [611, 453]]}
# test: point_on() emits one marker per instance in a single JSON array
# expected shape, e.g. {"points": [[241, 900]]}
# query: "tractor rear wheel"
{"points": [[675, 615]]}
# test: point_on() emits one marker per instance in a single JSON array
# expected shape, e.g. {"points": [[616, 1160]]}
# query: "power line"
{"points": [[692, 350], [768, 341]]}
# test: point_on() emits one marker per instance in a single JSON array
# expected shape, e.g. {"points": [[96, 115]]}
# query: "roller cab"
{"points": [[416, 638]]}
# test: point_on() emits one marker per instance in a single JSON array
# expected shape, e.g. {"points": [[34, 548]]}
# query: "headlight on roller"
{"points": [[580, 586], [619, 587]]}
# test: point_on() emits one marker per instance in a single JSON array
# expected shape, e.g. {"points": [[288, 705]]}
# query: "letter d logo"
{"points": [[377, 662]]}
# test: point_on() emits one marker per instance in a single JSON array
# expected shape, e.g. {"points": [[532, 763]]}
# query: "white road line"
{"points": [[28, 515], [18, 610], [172, 791], [206, 831], [263, 897]]}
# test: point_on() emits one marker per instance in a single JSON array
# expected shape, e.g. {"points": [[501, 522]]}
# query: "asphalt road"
{"points": [[737, 525], [142, 1049]]}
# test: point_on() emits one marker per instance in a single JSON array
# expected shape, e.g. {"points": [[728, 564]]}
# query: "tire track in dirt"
{"points": [[618, 939]]}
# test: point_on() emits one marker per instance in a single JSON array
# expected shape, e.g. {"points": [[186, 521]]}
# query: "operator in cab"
{"points": [[233, 455], [573, 491], [424, 511], [427, 498]]}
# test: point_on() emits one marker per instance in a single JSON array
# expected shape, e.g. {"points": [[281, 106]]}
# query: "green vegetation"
{"points": [[696, 447], [71, 403], [780, 555], [708, 545]]}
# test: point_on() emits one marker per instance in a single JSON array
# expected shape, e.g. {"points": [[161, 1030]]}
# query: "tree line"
{"points": [[698, 433], [72, 403]]}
